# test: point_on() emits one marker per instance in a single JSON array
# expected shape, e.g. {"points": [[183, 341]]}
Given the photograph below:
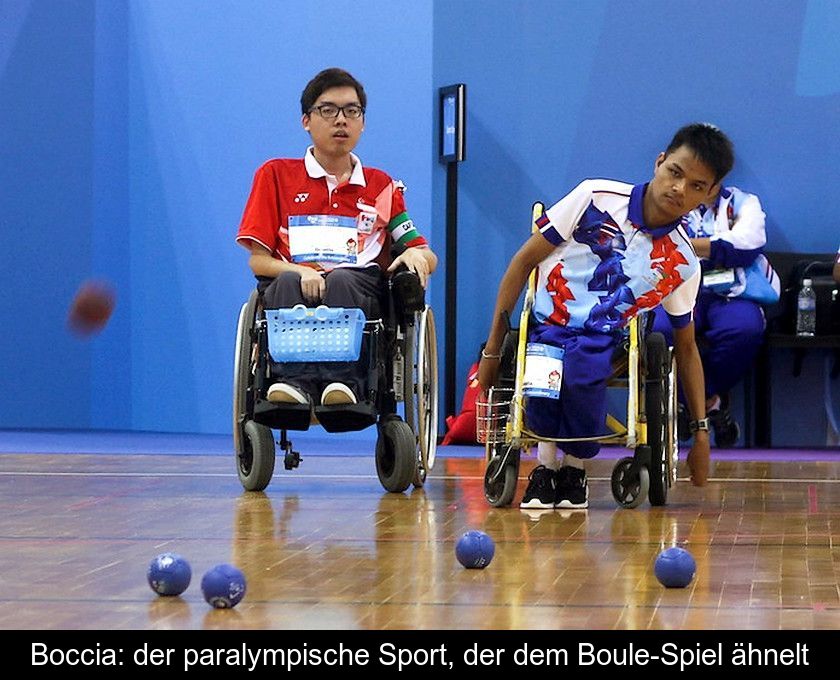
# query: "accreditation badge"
{"points": [[366, 220], [325, 239], [543, 370], [719, 280]]}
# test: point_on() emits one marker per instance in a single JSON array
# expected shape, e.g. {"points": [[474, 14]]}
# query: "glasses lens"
{"points": [[352, 111], [328, 110]]}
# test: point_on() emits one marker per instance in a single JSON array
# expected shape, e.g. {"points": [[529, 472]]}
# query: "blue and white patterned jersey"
{"points": [[608, 265], [735, 227]]}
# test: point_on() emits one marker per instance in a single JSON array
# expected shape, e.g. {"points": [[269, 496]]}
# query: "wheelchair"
{"points": [[642, 364], [397, 354]]}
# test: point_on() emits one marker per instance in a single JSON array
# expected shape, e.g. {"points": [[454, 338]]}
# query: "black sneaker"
{"points": [[572, 489], [726, 430], [542, 489]]}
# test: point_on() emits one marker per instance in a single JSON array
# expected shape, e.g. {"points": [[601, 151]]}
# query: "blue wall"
{"points": [[128, 155], [560, 91], [46, 208], [130, 131]]}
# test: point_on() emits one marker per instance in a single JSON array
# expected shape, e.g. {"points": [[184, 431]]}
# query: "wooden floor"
{"points": [[326, 547]]}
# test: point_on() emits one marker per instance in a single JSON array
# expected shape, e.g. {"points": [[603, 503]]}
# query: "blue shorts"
{"points": [[581, 410]]}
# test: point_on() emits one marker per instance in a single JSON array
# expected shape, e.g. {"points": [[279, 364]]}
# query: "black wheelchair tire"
{"points": [[420, 475], [256, 461], [242, 376], [396, 455], [500, 493], [658, 361], [629, 490]]}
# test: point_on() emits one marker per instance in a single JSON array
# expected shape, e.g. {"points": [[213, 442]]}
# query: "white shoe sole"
{"points": [[568, 505], [536, 504]]}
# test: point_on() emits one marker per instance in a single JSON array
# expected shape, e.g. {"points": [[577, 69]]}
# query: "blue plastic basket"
{"points": [[319, 334]]}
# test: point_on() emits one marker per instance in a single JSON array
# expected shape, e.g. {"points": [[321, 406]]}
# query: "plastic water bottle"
{"points": [[806, 310]]}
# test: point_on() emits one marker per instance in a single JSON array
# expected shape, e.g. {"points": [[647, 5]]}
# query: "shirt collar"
{"points": [[636, 214], [723, 195], [315, 170]]}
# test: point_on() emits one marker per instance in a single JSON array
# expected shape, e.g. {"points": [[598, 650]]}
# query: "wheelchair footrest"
{"points": [[346, 417], [282, 416]]}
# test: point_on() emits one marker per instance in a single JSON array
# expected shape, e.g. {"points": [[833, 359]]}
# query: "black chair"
{"points": [[781, 327]]}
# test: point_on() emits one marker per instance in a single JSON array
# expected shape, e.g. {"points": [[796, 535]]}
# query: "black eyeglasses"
{"points": [[332, 110]]}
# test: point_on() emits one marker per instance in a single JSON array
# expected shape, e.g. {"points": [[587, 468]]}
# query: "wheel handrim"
{"points": [[427, 403]]}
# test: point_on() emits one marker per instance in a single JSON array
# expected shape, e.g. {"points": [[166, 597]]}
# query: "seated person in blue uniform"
{"points": [[728, 234], [320, 230], [604, 253]]}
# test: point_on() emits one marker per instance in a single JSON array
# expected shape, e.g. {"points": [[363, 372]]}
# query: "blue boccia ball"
{"points": [[674, 567], [475, 549], [169, 574], [223, 586]]}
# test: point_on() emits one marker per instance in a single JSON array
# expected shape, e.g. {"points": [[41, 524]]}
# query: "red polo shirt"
{"points": [[287, 192]]}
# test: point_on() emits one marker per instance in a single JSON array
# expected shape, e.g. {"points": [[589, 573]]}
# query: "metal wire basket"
{"points": [[492, 414]]}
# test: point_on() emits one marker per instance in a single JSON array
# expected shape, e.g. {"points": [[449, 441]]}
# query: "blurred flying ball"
{"points": [[475, 549], [675, 568], [169, 574], [91, 308], [223, 586]]}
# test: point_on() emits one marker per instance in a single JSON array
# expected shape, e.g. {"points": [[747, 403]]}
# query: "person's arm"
{"points": [[702, 246], [690, 370], [742, 243], [533, 251], [261, 262], [416, 254], [419, 259], [836, 270]]}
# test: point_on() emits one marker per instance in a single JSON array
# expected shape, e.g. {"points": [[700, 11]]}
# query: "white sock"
{"points": [[547, 454], [571, 461]]}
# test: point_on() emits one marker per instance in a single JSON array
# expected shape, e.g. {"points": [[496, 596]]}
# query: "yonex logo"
{"points": [[300, 198]]}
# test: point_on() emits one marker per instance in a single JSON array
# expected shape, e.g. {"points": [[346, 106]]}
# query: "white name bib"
{"points": [[543, 370], [323, 238]]}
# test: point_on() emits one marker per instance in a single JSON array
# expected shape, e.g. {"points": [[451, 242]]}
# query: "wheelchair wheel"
{"points": [[396, 455], [256, 463], [630, 483], [420, 475], [501, 475], [253, 443], [661, 410], [420, 389], [243, 375]]}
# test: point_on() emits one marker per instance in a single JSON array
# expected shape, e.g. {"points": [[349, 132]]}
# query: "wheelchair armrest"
{"points": [[409, 294]]}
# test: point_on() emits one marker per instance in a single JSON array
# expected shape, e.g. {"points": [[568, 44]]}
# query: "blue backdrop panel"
{"points": [[130, 133]]}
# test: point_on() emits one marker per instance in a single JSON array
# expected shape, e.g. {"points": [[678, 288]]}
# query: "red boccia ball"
{"points": [[91, 308]]}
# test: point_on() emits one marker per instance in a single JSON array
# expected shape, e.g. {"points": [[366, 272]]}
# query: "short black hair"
{"points": [[709, 144], [326, 79]]}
